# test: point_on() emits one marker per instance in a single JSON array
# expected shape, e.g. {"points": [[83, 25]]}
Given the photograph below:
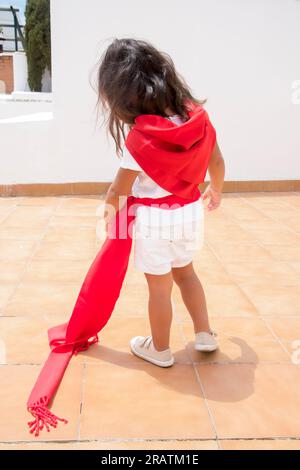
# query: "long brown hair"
{"points": [[136, 78]]}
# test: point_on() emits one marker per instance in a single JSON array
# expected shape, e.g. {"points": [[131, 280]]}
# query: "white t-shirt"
{"points": [[144, 186]]}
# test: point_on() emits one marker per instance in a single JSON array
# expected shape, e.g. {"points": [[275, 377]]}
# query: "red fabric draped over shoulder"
{"points": [[175, 156]]}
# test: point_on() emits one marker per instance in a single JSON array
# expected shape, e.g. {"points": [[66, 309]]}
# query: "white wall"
{"points": [[13, 108], [243, 55], [20, 71]]}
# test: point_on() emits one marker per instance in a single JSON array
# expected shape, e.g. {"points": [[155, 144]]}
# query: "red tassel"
{"points": [[43, 417]]}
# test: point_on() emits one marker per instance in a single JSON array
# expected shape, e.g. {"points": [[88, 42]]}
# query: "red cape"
{"points": [[175, 156]]}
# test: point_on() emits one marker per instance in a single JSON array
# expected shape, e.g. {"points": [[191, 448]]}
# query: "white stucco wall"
{"points": [[241, 55], [20, 71]]}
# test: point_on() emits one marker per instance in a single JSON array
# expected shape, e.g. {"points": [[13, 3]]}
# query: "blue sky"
{"points": [[17, 3]]}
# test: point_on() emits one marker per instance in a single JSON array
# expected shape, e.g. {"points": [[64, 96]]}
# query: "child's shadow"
{"points": [[222, 379]]}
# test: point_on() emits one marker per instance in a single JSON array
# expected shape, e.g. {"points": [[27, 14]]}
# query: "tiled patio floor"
{"points": [[245, 396]]}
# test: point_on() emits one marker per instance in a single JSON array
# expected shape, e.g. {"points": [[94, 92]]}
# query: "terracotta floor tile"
{"points": [[282, 236], [293, 224], [293, 350], [253, 401], [274, 299], [131, 306], [241, 340], [136, 284], [73, 210], [18, 381], [264, 224], [265, 200], [6, 291], [67, 235], [284, 214], [238, 212], [257, 272], [254, 327], [292, 199], [261, 444], [212, 272], [43, 299], [63, 250], [205, 256], [134, 278], [74, 221], [29, 216], [25, 339], [119, 445], [222, 300], [113, 346], [11, 271], [10, 201], [44, 201], [281, 212], [59, 270], [71, 202], [16, 250], [21, 233], [234, 232], [4, 212], [284, 252], [286, 328], [213, 227], [295, 265], [131, 403], [228, 251]]}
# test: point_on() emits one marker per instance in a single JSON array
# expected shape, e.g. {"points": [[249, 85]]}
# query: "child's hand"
{"points": [[214, 198]]}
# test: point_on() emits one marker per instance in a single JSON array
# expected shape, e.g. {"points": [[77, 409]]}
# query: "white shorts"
{"points": [[159, 249]]}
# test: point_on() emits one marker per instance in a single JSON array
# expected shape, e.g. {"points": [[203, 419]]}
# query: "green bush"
{"points": [[37, 41]]}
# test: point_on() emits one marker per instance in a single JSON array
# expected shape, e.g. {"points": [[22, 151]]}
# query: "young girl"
{"points": [[136, 81], [170, 145]]}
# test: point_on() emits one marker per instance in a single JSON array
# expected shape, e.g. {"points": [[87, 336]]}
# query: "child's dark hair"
{"points": [[135, 78]]}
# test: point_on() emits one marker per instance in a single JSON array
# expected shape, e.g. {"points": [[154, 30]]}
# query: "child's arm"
{"points": [[216, 170], [118, 192]]}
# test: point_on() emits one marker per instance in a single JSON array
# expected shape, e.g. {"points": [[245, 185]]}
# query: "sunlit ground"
{"points": [[246, 395]]}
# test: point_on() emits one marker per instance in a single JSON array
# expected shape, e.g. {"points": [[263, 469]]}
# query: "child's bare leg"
{"points": [[193, 296], [160, 308]]}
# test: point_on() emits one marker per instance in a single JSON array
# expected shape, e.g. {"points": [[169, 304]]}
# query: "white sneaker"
{"points": [[205, 342], [143, 347]]}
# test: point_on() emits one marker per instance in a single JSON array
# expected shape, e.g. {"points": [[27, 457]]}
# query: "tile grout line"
{"points": [[218, 442], [277, 337], [238, 223], [274, 219], [47, 227], [14, 208], [223, 264], [263, 319], [30, 258], [234, 282], [154, 439], [286, 227], [283, 203], [198, 379], [240, 287], [84, 366]]}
